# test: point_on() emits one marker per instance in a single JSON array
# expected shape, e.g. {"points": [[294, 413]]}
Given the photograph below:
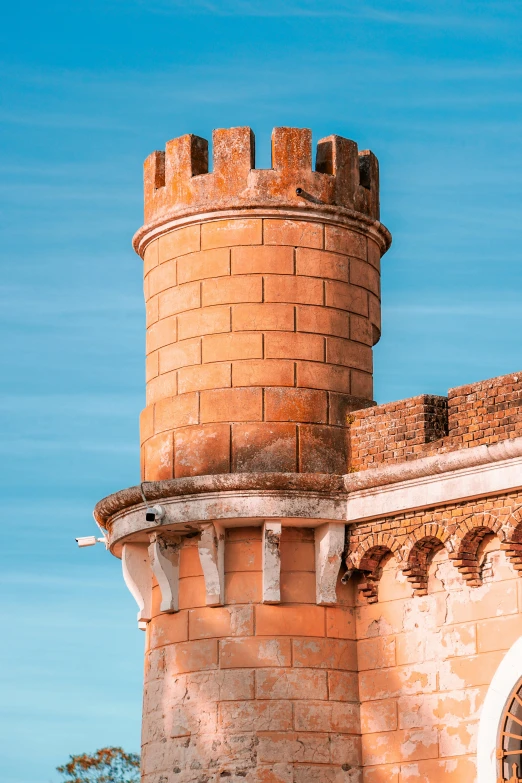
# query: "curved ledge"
{"points": [[325, 213], [126, 499], [189, 514], [310, 499]]}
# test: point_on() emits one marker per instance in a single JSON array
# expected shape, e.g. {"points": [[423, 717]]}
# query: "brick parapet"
{"points": [[486, 412], [481, 413]]}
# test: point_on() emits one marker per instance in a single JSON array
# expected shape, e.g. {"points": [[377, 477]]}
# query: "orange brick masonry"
{"points": [[249, 688], [251, 325]]}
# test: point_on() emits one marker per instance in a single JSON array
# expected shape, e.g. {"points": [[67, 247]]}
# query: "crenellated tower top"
{"points": [[262, 291], [178, 183]]}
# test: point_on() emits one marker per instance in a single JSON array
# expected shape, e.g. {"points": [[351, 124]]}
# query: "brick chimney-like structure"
{"points": [[263, 304]]}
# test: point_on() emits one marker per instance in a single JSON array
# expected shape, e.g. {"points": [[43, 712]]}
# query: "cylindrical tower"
{"points": [[262, 292], [263, 303]]}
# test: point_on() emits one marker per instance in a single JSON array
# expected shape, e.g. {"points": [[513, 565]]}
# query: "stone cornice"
{"points": [[437, 483], [317, 483], [434, 465], [318, 213], [314, 499]]}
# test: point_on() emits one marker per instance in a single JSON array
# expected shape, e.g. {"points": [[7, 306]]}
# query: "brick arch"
{"points": [[418, 552], [469, 536], [368, 558], [513, 543]]}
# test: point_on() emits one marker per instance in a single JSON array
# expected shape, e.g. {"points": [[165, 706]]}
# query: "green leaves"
{"points": [[107, 765]]}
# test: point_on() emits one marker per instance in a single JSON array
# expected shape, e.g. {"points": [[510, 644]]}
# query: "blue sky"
{"points": [[87, 90]]}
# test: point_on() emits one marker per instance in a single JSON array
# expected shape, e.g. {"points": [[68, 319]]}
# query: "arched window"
{"points": [[491, 742], [509, 752]]}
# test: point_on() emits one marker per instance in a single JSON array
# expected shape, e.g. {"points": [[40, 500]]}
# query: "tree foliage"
{"points": [[107, 765]]}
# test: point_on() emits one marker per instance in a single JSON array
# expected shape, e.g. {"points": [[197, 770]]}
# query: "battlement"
{"points": [[177, 181], [480, 413]]}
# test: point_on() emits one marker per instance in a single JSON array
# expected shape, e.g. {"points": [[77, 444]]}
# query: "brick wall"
{"points": [[484, 412], [259, 342]]}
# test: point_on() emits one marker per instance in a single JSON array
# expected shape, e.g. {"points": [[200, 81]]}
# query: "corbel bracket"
{"points": [[138, 578], [164, 560], [271, 562], [211, 545], [329, 546]]}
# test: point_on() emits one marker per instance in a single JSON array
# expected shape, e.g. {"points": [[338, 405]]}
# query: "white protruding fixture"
{"points": [[137, 576], [90, 541], [164, 561], [211, 547], [271, 562], [504, 681], [329, 546]]}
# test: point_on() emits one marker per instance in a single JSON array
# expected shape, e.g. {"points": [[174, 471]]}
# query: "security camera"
{"points": [[89, 541], [154, 513], [347, 576]]}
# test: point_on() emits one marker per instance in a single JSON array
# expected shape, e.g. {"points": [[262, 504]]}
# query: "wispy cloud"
{"points": [[46, 580], [64, 120], [238, 82], [80, 405], [20, 301], [499, 310], [34, 446], [71, 191], [441, 18]]}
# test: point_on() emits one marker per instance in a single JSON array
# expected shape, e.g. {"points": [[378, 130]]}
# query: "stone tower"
{"points": [[263, 303], [262, 295], [330, 589]]}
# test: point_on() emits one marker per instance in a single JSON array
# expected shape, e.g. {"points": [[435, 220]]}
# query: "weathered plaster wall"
{"points": [[385, 691], [425, 661], [425, 665]]}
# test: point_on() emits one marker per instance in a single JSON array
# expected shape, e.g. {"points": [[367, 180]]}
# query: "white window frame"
{"points": [[504, 681]]}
